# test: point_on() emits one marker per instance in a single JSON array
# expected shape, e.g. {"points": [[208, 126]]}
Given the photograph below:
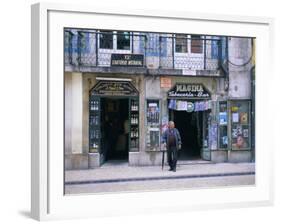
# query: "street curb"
{"points": [[158, 178]]}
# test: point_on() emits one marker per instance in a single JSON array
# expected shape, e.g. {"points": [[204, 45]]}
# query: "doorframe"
{"points": [[100, 97], [202, 149]]}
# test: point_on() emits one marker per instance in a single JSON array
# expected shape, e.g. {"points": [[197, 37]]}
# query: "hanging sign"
{"points": [[190, 107], [128, 60], [165, 82], [187, 90], [115, 88]]}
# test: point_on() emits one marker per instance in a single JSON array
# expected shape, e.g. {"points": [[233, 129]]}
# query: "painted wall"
{"points": [[240, 63]]}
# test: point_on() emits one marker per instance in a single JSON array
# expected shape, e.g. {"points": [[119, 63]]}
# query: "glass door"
{"points": [[205, 149]]}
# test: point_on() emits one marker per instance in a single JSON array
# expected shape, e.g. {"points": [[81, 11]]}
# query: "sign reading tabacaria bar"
{"points": [[128, 60], [187, 90]]}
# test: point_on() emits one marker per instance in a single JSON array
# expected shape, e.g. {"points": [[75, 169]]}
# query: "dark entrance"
{"points": [[190, 126], [114, 128]]}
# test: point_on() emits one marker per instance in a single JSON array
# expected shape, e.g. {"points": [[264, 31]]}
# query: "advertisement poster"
{"points": [[246, 133], [243, 118], [223, 118], [235, 117], [164, 126], [213, 136], [182, 105]]}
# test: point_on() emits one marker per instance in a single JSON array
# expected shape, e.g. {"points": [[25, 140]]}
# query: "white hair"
{"points": [[171, 122]]}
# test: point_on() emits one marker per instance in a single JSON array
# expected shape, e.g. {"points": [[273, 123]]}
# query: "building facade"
{"points": [[122, 88]]}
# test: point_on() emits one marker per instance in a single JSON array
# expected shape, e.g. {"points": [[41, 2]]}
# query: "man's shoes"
{"points": [[170, 169]]}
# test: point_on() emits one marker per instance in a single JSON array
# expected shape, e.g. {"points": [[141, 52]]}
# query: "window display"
{"points": [[240, 126], [134, 125], [223, 120], [153, 125], [94, 126]]}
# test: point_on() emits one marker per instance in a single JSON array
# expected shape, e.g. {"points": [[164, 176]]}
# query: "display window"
{"points": [[153, 125], [223, 124], [240, 124], [134, 125]]}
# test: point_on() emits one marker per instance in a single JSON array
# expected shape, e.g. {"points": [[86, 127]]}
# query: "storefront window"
{"points": [[223, 120], [134, 125], [240, 124], [94, 128], [153, 125]]}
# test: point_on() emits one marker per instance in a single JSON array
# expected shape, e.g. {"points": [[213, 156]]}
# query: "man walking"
{"points": [[172, 140]]}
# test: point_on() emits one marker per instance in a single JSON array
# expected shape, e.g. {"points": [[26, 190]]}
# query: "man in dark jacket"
{"points": [[172, 140]]}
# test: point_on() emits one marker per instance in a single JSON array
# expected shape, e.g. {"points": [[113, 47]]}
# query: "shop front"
{"points": [[190, 107], [113, 121], [126, 119]]}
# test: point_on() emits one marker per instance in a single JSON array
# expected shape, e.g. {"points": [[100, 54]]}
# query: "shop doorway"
{"points": [[114, 129], [190, 126]]}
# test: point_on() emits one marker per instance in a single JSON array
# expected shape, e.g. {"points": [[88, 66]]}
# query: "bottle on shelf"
{"points": [[96, 120], [92, 105]]}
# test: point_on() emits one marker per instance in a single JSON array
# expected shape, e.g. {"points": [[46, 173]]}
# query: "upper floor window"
{"points": [[118, 40], [123, 40], [196, 44], [106, 39], [181, 43]]}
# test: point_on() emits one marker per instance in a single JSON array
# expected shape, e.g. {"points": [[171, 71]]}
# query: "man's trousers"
{"points": [[172, 154]]}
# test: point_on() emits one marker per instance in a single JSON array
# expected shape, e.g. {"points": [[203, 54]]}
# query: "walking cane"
{"points": [[163, 158]]}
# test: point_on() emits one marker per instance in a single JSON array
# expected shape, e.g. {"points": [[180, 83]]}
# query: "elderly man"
{"points": [[172, 140]]}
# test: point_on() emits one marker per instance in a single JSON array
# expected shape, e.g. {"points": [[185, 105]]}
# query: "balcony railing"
{"points": [[160, 51]]}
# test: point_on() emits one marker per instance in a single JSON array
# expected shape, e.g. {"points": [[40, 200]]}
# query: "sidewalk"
{"points": [[119, 172]]}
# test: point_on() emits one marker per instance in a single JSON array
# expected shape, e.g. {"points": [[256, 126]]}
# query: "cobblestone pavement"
{"points": [[119, 177]]}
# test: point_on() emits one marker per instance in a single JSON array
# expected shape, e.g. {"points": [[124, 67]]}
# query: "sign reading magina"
{"points": [[187, 90], [128, 60]]}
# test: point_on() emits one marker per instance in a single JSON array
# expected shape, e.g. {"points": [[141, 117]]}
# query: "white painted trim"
{"points": [[113, 79]]}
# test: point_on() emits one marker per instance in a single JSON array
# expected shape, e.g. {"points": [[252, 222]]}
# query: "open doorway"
{"points": [[190, 126], [114, 118]]}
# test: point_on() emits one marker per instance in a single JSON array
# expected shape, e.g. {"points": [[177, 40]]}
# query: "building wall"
{"points": [[240, 52], [78, 85], [75, 154]]}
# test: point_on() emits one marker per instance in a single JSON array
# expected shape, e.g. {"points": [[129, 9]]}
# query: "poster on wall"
{"points": [[223, 118], [246, 133], [243, 118], [234, 133], [164, 125], [165, 82], [182, 105], [235, 117], [213, 136]]}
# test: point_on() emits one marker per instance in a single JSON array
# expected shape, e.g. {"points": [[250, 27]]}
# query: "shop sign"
{"points": [[187, 90], [165, 82], [127, 60], [114, 88]]}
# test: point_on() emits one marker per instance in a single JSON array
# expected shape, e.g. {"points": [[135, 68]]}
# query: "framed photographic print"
{"points": [[134, 109]]}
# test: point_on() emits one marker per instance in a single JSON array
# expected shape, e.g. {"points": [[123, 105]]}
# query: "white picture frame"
{"points": [[48, 201]]}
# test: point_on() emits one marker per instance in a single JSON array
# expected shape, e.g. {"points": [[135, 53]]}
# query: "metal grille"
{"points": [[190, 53], [166, 51]]}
